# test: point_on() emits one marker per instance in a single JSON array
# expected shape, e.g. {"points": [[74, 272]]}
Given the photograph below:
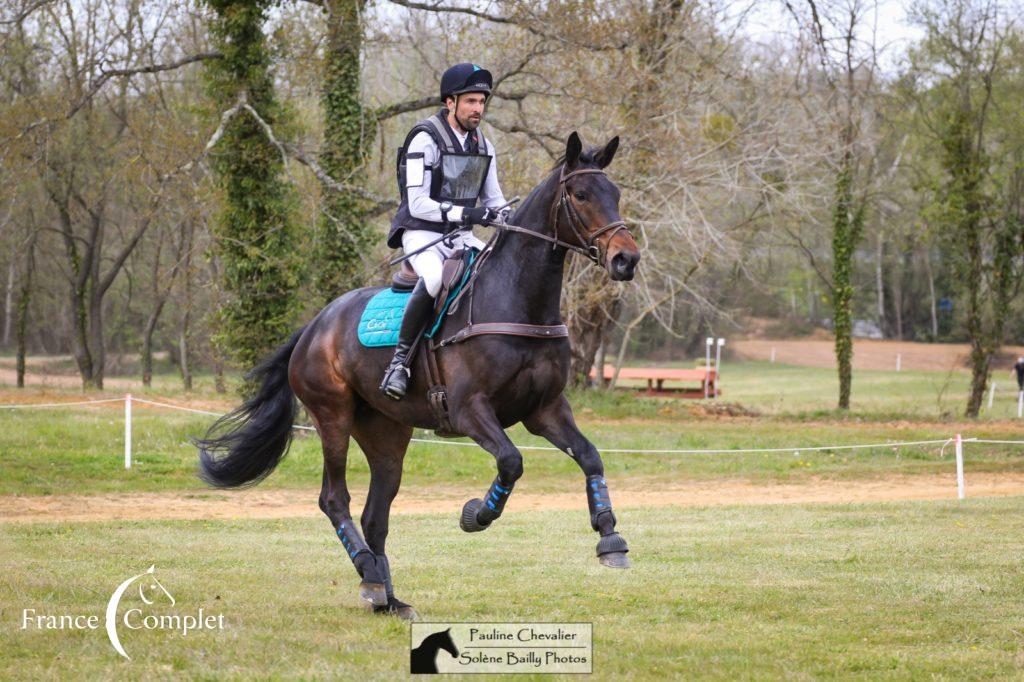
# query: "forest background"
{"points": [[197, 179]]}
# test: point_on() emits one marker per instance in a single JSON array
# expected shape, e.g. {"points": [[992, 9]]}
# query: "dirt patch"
{"points": [[723, 409], [276, 504], [870, 354]]}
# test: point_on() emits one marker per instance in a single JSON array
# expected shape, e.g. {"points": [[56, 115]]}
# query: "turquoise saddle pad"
{"points": [[382, 317]]}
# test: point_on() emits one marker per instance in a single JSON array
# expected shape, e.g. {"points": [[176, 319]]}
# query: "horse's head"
{"points": [[444, 641], [150, 588], [586, 211]]}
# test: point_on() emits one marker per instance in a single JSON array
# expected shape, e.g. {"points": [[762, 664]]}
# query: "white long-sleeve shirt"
{"points": [[422, 206]]}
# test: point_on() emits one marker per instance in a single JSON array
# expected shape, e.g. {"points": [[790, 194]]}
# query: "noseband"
{"points": [[587, 246]]}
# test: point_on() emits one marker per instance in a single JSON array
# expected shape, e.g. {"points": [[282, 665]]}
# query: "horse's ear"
{"points": [[573, 149], [605, 156]]}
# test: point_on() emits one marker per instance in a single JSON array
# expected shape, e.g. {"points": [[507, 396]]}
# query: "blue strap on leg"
{"points": [[351, 540], [496, 497], [598, 499]]}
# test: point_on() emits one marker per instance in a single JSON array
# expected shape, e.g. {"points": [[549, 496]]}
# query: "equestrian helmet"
{"points": [[465, 77]]}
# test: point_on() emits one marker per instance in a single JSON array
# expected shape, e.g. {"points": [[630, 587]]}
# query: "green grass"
{"points": [[81, 451], [811, 392], [895, 591], [773, 389]]}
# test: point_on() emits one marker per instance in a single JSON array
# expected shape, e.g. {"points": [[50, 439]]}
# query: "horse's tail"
{"points": [[244, 446]]}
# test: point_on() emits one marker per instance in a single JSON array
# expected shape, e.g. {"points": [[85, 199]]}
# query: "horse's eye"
{"points": [[580, 196]]}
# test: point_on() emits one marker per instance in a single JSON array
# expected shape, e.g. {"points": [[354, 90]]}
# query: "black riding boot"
{"points": [[418, 312]]}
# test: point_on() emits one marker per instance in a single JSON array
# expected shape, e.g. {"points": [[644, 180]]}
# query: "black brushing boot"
{"points": [[611, 548], [418, 312]]}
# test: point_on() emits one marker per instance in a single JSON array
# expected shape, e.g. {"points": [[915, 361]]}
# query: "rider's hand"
{"points": [[478, 215]]}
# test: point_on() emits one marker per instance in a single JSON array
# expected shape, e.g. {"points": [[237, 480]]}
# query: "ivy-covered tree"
{"points": [[345, 233], [254, 235], [967, 54]]}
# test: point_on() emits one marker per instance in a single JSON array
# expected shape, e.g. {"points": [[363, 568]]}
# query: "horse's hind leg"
{"points": [[555, 422], [384, 441], [333, 420]]}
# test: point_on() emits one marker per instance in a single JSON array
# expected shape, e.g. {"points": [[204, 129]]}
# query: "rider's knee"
{"points": [[429, 269]]}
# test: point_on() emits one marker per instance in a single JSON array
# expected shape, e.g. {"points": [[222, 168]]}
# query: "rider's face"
{"points": [[469, 109]]}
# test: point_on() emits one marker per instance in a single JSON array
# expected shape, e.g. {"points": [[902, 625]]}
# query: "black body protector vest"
{"points": [[458, 175]]}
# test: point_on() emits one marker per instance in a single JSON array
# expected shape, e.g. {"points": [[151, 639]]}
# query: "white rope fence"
{"points": [[957, 439]]}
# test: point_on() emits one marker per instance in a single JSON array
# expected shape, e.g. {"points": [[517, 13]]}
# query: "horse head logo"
{"points": [[423, 659], [150, 590]]}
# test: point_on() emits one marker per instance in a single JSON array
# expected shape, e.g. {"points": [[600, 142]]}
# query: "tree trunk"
{"points": [[183, 348], [345, 234], [927, 258], [880, 282], [847, 224], [23, 303], [587, 322], [186, 318], [147, 342], [219, 384], [897, 294], [8, 302]]}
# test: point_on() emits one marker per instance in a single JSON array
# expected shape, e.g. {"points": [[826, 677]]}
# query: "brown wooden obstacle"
{"points": [[657, 376]]}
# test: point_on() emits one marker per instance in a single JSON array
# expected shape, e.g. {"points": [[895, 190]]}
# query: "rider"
{"points": [[444, 168]]}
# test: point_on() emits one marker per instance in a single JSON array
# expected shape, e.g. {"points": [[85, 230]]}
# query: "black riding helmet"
{"points": [[465, 77]]}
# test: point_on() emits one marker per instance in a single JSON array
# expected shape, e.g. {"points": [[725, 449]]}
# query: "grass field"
{"points": [[881, 591], [892, 590]]}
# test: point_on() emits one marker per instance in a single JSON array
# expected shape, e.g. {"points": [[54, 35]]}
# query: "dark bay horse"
{"points": [[494, 381]]}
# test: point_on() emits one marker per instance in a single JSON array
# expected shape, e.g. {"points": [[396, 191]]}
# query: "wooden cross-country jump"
{"points": [[657, 376]]}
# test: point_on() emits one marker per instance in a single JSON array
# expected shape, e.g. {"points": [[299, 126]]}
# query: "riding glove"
{"points": [[478, 215]]}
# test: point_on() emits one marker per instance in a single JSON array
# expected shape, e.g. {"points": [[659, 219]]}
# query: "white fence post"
{"points": [[707, 364], [899, 361], [959, 467], [991, 394], [773, 355], [718, 365], [1020, 405], [128, 431]]}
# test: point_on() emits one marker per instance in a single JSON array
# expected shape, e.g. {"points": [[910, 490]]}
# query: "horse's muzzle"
{"points": [[622, 266]]}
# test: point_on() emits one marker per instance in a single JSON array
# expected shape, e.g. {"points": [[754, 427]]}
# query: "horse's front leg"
{"points": [[556, 423], [477, 420]]}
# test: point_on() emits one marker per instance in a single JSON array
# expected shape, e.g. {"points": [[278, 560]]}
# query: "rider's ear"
{"points": [[573, 149], [605, 156]]}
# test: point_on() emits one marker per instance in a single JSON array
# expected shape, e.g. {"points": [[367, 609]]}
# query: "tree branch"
{"points": [[21, 16], [148, 68]]}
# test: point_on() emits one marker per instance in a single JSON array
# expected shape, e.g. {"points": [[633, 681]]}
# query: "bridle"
{"points": [[586, 246]]}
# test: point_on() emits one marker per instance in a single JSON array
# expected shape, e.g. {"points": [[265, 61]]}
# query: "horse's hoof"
{"points": [[375, 593], [611, 551], [467, 521], [405, 612], [614, 560]]}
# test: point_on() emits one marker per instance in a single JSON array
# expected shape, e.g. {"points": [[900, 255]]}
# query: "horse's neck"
{"points": [[522, 280]]}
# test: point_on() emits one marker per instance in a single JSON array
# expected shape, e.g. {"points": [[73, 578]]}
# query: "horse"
{"points": [[494, 380], [423, 659]]}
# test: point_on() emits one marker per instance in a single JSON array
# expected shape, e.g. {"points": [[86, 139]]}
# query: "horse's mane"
{"points": [[586, 156]]}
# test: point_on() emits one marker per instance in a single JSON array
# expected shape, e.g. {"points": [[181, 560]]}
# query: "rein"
{"points": [[585, 246]]}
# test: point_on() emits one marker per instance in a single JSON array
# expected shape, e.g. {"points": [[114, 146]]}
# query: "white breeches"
{"points": [[428, 264]]}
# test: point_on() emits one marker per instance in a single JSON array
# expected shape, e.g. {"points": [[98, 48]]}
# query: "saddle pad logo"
{"points": [[501, 648], [382, 318]]}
